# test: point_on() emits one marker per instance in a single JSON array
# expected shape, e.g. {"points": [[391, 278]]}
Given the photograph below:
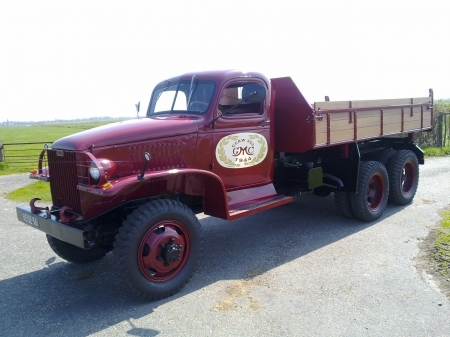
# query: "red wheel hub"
{"points": [[164, 250], [407, 178], [375, 192]]}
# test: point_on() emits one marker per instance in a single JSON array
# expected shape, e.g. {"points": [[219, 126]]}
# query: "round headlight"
{"points": [[94, 171]]}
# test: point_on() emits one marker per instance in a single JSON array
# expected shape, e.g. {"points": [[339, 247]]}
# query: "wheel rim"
{"points": [[375, 192], [407, 178], [164, 250]]}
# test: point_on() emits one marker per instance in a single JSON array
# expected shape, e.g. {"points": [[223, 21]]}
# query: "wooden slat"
{"points": [[370, 131], [427, 118], [380, 102], [412, 124], [321, 126], [331, 105], [369, 121], [341, 125], [334, 105], [392, 127], [420, 100], [321, 138], [392, 119], [337, 136], [340, 116]]}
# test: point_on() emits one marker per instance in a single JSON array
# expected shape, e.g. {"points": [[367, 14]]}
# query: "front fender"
{"points": [[97, 200]]}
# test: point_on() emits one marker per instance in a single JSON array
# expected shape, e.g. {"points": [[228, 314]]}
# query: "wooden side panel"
{"points": [[420, 100], [412, 122], [340, 127], [427, 120], [385, 119], [380, 102], [341, 135], [331, 105], [321, 131]]}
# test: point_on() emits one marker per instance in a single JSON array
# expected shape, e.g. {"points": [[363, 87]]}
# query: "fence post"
{"points": [[445, 125], [1, 151]]}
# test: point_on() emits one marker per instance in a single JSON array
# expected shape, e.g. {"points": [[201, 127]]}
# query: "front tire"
{"points": [[403, 177], [370, 199], [75, 254], [157, 249]]}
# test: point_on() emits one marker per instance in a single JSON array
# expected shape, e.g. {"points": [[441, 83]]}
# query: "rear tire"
{"points": [[342, 202], [75, 254], [385, 156], [370, 199], [403, 177]]}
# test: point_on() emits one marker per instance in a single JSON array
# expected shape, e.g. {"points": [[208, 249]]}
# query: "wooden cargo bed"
{"points": [[348, 121], [300, 127]]}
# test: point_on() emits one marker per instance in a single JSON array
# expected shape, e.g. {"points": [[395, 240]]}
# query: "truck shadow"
{"points": [[85, 299]]}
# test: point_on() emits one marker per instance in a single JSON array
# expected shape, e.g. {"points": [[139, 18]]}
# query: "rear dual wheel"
{"points": [[370, 199], [342, 202], [403, 177]]}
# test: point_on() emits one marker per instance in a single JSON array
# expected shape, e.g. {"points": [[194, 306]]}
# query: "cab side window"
{"points": [[239, 93]]}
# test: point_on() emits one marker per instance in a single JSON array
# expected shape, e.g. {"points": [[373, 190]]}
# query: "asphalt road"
{"points": [[297, 270]]}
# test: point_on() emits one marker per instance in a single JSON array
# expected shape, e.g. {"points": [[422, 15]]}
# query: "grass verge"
{"points": [[442, 249], [38, 189], [21, 158], [436, 151]]}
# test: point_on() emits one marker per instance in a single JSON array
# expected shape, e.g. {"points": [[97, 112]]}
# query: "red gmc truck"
{"points": [[228, 144]]}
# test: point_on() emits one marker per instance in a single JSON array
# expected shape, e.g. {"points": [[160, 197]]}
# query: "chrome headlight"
{"points": [[94, 171]]}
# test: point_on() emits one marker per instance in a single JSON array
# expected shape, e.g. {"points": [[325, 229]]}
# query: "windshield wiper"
{"points": [[191, 90], [224, 113]]}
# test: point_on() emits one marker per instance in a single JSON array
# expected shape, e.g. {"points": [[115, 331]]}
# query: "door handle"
{"points": [[266, 122]]}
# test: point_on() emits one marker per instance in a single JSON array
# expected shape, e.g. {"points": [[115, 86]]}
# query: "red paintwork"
{"points": [[226, 125], [293, 116], [151, 264], [157, 183], [376, 192], [132, 131]]}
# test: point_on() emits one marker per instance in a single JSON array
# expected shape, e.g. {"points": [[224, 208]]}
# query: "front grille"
{"points": [[64, 179]]}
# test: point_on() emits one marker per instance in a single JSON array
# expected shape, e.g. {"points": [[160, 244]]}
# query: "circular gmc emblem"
{"points": [[241, 150]]}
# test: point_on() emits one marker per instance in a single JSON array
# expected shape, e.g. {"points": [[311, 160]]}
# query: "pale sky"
{"points": [[74, 59]]}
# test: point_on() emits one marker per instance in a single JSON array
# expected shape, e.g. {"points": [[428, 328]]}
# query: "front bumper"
{"points": [[58, 230]]}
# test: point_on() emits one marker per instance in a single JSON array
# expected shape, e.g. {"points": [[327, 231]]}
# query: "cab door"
{"points": [[241, 138]]}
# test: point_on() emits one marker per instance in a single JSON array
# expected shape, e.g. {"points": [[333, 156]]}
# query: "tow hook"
{"points": [[63, 218], [36, 209]]}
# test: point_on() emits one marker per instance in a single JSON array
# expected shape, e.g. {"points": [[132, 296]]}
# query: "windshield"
{"points": [[182, 96]]}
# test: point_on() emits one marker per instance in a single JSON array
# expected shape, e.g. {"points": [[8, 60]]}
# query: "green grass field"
{"points": [[22, 158]]}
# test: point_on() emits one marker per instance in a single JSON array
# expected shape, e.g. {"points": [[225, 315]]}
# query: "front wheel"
{"points": [[403, 177], [370, 199], [157, 249], [75, 254]]}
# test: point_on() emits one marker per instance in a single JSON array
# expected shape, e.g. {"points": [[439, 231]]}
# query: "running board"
{"points": [[257, 205]]}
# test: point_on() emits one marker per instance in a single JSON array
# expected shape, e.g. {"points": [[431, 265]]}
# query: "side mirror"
{"points": [[253, 93], [138, 106]]}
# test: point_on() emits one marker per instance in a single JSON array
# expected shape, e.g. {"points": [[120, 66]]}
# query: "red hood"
{"points": [[128, 132]]}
